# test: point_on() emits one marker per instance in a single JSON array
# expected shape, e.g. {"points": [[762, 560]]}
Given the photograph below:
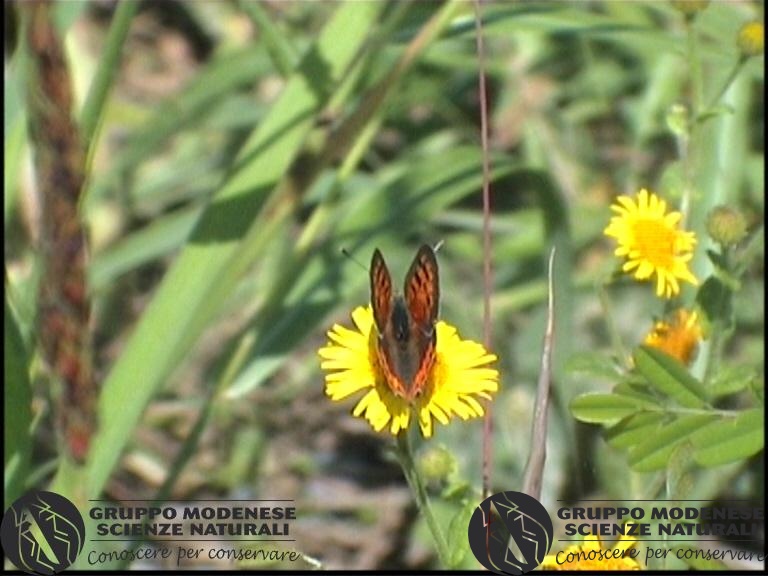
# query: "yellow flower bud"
{"points": [[750, 39]]}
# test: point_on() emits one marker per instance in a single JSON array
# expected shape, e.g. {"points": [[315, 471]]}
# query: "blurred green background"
{"points": [[240, 146]]}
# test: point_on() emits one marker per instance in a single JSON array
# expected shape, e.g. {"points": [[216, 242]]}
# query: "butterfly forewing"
{"points": [[422, 289], [381, 291]]}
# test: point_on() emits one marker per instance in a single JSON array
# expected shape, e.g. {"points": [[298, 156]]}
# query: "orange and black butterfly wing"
{"points": [[422, 298], [422, 289], [381, 291], [384, 304]]}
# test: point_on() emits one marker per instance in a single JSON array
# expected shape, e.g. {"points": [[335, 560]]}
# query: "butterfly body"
{"points": [[405, 324]]}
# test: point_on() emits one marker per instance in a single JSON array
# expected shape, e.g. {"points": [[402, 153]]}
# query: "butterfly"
{"points": [[406, 323]]}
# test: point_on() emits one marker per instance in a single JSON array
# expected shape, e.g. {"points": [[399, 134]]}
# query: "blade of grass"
{"points": [[109, 65], [280, 50], [15, 145], [225, 75], [154, 241], [18, 413]]}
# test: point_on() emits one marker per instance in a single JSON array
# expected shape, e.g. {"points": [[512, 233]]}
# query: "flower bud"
{"points": [[750, 39], [726, 225], [437, 465], [677, 120]]}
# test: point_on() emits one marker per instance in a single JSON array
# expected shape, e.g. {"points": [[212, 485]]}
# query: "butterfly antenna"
{"points": [[349, 255], [438, 246]]}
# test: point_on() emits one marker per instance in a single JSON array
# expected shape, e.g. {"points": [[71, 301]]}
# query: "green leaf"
{"points": [[606, 408], [714, 112], [730, 439], [18, 412], [718, 259], [670, 377], [637, 388], [109, 66], [270, 352], [634, 429], [654, 452], [458, 543], [157, 239], [275, 39], [716, 300], [757, 387], [593, 364], [730, 380], [15, 145]]}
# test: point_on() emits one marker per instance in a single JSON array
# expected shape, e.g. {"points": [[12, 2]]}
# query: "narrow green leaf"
{"points": [[141, 247], [670, 377], [18, 410], [730, 439], [15, 145], [430, 183], [634, 429], [606, 408], [714, 112], [280, 49], [109, 65], [273, 346], [654, 452]]}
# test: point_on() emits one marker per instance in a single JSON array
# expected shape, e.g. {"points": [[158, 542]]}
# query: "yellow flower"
{"points": [[679, 338], [751, 39], [650, 240], [459, 377], [593, 557]]}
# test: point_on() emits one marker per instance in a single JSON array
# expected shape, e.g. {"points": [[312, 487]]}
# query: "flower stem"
{"points": [[723, 89], [686, 151], [405, 454]]}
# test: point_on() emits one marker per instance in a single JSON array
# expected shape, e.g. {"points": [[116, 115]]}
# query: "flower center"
{"points": [[655, 241]]}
